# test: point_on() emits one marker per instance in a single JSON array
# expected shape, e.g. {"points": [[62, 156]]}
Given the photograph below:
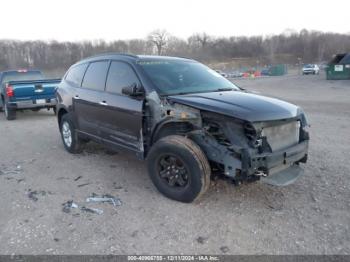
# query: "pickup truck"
{"points": [[26, 89]]}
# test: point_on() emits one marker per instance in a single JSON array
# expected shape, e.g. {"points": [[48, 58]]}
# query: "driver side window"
{"points": [[120, 75]]}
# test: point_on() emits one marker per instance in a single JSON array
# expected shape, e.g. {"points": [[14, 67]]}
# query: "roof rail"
{"points": [[113, 53]]}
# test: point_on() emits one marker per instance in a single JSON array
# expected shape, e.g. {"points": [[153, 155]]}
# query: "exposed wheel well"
{"points": [[171, 128]]}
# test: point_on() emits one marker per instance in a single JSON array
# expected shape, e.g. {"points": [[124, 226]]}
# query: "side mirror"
{"points": [[132, 90]]}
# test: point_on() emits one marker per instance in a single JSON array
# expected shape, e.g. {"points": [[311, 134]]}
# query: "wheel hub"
{"points": [[67, 134], [172, 171]]}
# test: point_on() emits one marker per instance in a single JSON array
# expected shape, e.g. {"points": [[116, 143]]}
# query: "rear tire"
{"points": [[10, 113], [178, 168], [69, 136], [2, 103]]}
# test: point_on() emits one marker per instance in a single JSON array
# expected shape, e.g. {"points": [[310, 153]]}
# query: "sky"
{"points": [[76, 20]]}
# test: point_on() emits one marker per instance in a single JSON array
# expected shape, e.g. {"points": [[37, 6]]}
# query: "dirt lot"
{"points": [[311, 216]]}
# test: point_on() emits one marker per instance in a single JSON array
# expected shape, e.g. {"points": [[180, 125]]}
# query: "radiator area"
{"points": [[282, 136]]}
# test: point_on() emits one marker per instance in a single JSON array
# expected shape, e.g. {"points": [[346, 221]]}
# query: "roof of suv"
{"points": [[130, 57]]}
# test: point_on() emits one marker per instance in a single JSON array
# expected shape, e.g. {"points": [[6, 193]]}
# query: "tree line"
{"points": [[289, 47]]}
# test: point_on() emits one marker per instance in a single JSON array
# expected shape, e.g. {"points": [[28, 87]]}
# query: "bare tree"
{"points": [[308, 46], [202, 38], [159, 38]]}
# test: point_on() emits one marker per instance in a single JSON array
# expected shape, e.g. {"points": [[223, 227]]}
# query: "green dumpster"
{"points": [[278, 70], [339, 67]]}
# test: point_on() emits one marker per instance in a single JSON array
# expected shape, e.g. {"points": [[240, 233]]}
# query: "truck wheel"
{"points": [[70, 138], [178, 168], [1, 103], [10, 114]]}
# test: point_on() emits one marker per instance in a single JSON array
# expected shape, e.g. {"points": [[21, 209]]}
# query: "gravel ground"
{"points": [[309, 217]]}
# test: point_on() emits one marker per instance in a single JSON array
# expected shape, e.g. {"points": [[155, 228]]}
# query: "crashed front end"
{"points": [[247, 151]]}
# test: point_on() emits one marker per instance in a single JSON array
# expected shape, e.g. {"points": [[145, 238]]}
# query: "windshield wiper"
{"points": [[223, 89]]}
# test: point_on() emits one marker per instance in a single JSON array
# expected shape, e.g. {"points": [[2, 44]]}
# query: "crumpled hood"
{"points": [[241, 105]]}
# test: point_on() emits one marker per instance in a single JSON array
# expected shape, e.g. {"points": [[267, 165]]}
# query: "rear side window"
{"points": [[120, 75], [76, 74], [95, 76]]}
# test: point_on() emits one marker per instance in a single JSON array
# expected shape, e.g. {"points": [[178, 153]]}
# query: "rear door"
{"points": [[87, 99], [121, 117]]}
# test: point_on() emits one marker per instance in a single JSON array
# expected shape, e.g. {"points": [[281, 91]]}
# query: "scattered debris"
{"points": [[224, 249], [20, 180], [15, 171], [94, 198], [76, 179], [33, 195], [68, 206], [314, 199], [92, 210], [201, 240], [81, 185], [116, 186], [104, 199]]}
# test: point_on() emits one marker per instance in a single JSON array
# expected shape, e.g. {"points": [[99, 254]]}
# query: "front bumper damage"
{"points": [[242, 162], [239, 149], [282, 168], [284, 177]]}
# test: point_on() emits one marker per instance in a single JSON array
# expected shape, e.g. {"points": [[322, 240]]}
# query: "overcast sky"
{"points": [[76, 20]]}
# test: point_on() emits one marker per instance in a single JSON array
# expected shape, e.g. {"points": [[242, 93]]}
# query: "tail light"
{"points": [[9, 91]]}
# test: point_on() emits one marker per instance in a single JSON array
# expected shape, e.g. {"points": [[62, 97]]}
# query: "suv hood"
{"points": [[241, 105]]}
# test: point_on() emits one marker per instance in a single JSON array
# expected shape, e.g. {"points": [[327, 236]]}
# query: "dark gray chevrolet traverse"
{"points": [[187, 120]]}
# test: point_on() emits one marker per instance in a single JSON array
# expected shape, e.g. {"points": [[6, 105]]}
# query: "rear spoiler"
{"points": [[44, 81]]}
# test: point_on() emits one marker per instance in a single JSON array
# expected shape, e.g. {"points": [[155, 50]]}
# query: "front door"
{"points": [[121, 117]]}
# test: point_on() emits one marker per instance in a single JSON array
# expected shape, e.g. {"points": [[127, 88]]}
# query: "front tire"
{"points": [[70, 138], [10, 113], [179, 169]]}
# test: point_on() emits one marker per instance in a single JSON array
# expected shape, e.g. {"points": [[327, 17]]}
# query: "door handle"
{"points": [[103, 103], [76, 97]]}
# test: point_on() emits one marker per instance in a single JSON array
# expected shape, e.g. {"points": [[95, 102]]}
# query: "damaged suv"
{"points": [[187, 120]]}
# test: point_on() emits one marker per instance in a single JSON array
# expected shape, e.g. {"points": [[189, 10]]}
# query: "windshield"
{"points": [[308, 66], [22, 76], [184, 77]]}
